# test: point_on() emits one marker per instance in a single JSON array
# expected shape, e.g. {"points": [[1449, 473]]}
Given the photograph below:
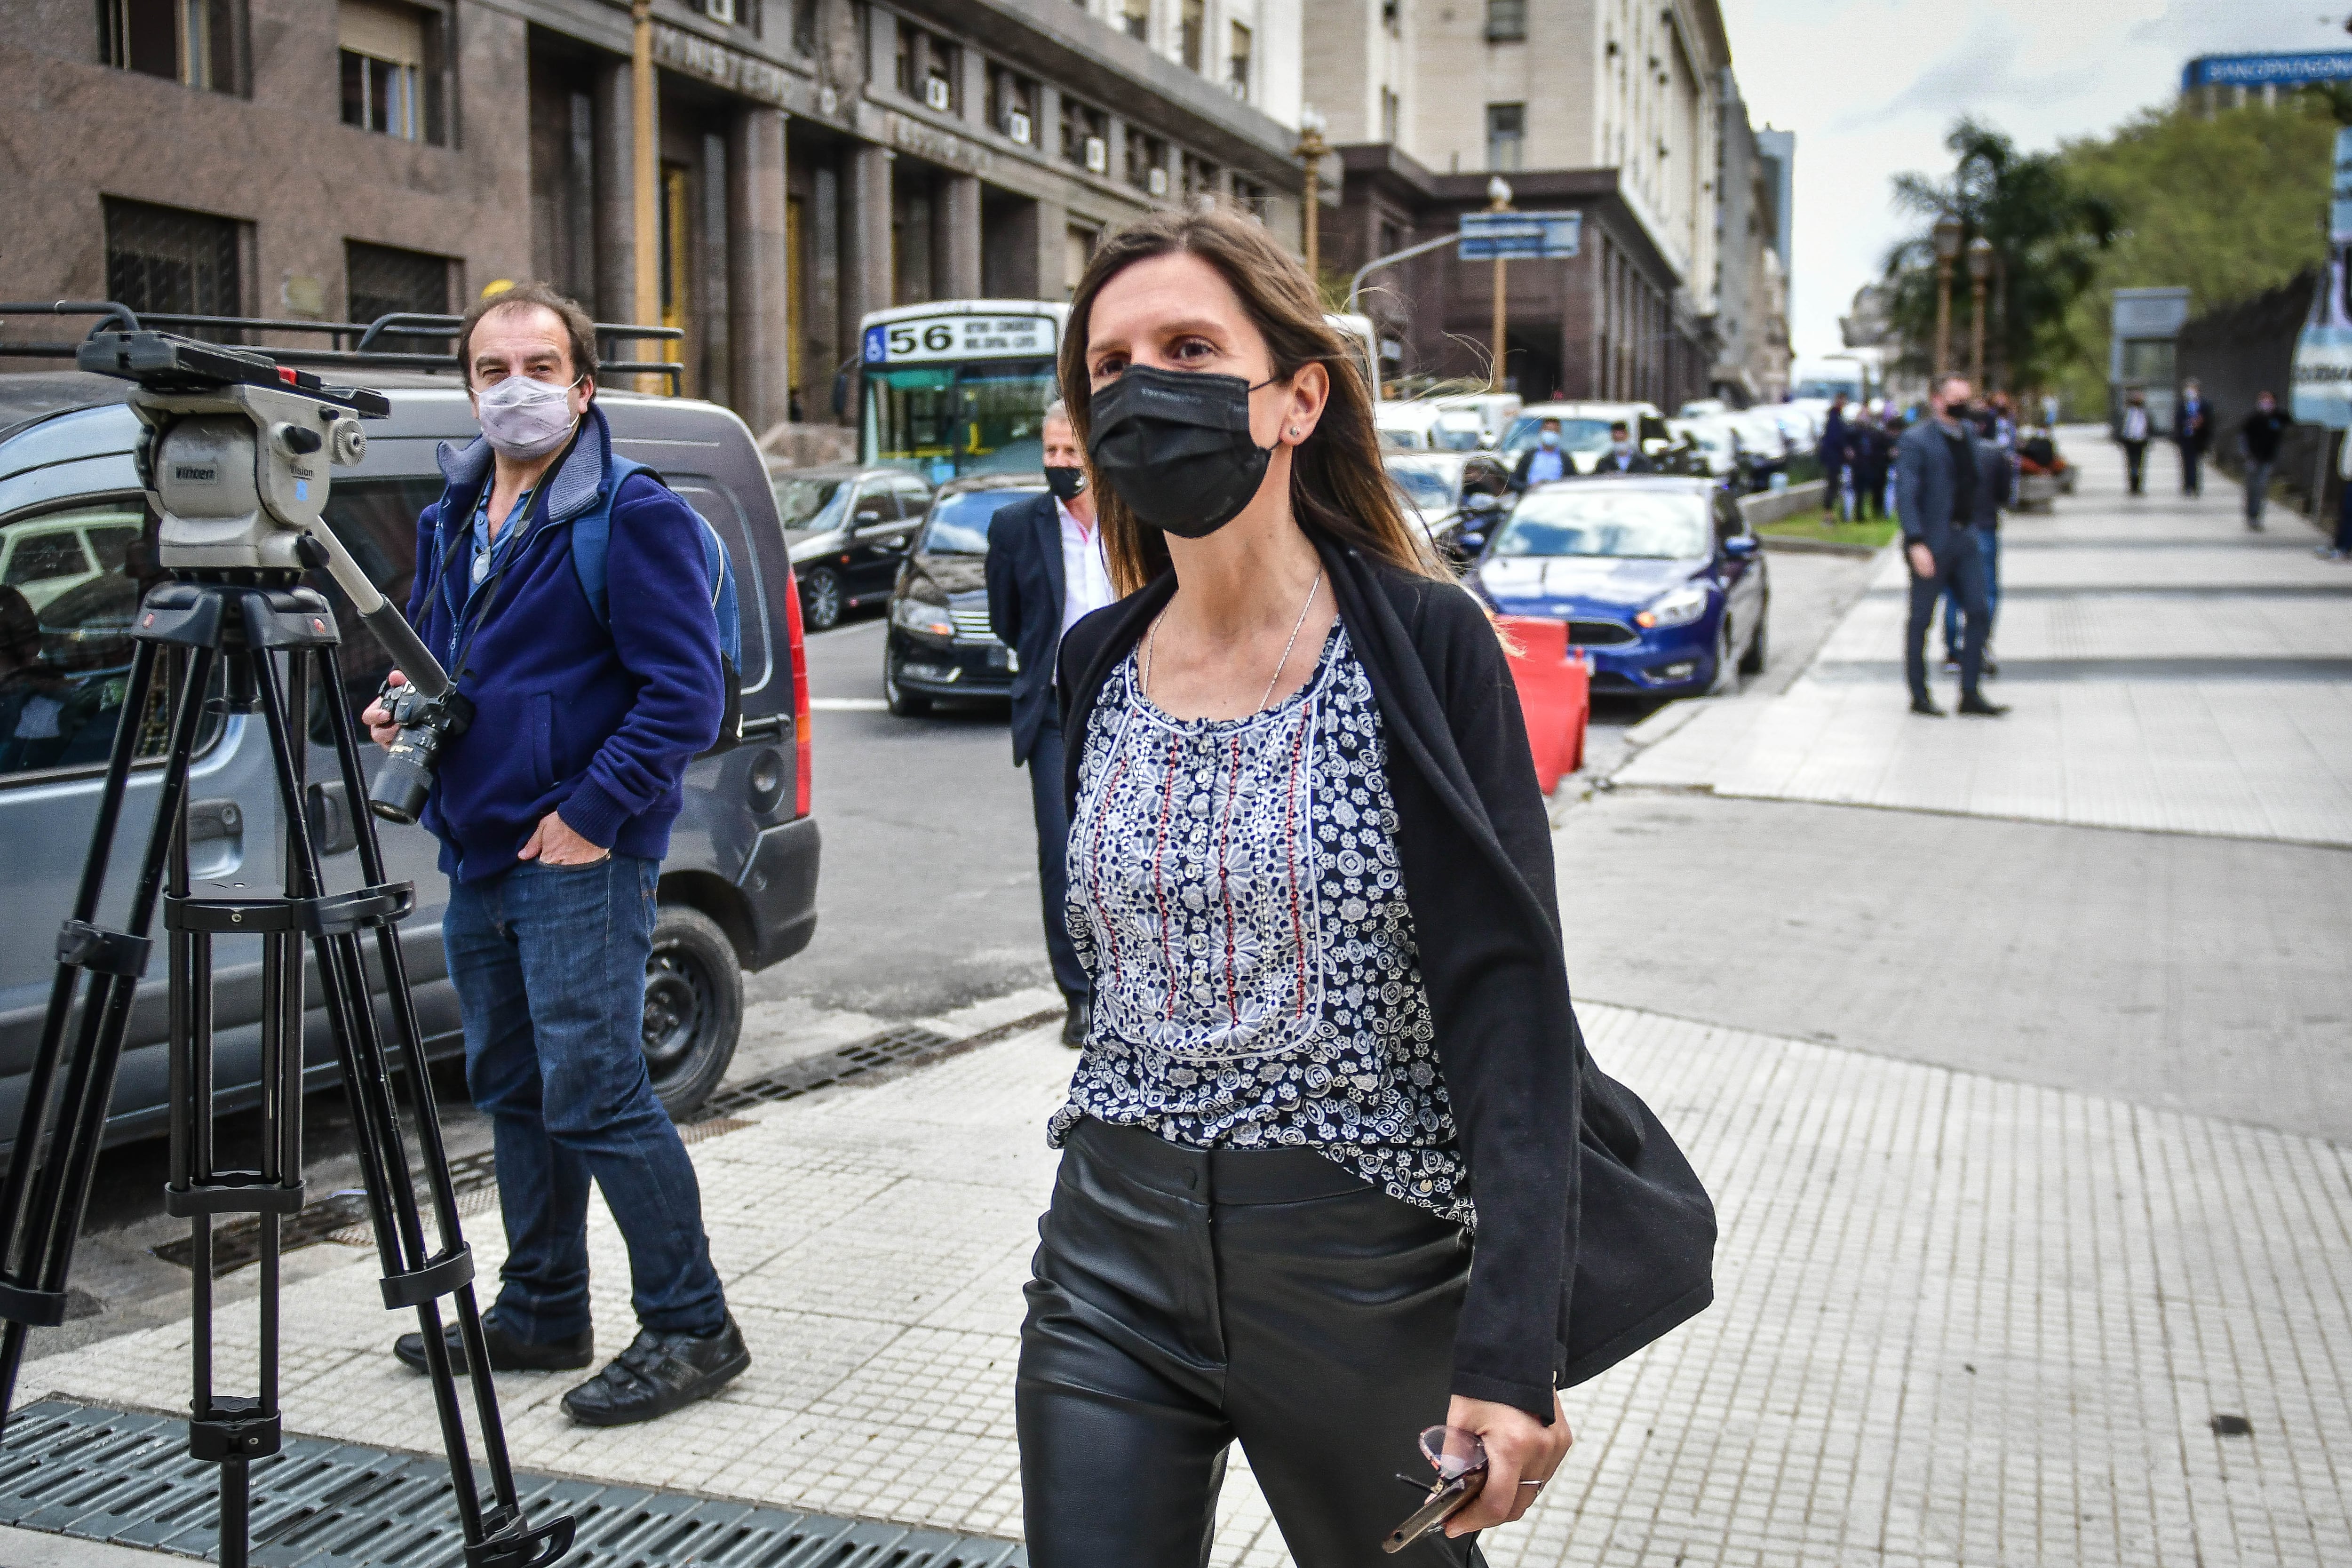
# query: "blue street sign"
{"points": [[1521, 236]]}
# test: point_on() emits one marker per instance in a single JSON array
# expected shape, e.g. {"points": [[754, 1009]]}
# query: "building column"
{"points": [[758, 269], [866, 278], [615, 198], [1052, 250], [959, 225]]}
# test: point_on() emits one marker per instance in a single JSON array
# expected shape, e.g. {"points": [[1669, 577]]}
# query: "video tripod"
{"points": [[228, 457]]}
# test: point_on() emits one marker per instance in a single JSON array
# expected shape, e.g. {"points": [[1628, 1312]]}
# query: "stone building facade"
{"points": [[818, 159], [1608, 106]]}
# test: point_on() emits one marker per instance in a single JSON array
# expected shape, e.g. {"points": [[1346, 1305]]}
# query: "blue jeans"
{"points": [[1989, 546], [548, 963]]}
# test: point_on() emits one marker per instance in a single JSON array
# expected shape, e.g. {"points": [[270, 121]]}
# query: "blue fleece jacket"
{"points": [[570, 715]]}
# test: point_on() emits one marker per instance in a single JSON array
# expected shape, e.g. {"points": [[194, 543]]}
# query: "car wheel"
{"points": [[821, 600], [1726, 667], [903, 703], [1753, 663], [694, 1008]]}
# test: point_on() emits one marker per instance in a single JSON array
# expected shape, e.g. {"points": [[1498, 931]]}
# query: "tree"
{"points": [[2048, 233], [2229, 204]]}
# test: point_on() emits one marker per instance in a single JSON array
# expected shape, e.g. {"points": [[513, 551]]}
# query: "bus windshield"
{"points": [[942, 421]]}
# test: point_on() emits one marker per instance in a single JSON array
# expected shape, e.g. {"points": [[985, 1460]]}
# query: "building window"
{"points": [[1147, 163], [1193, 33], [1078, 249], [1387, 114], [908, 41], [1507, 21], [384, 280], [170, 261], [1237, 64], [1012, 105], [1199, 177], [941, 85], [1137, 17], [1250, 195], [1506, 135], [1085, 136], [193, 42], [391, 68], [804, 29]]}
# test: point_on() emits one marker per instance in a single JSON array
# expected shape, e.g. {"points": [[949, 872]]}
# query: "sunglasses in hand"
{"points": [[1459, 1459]]}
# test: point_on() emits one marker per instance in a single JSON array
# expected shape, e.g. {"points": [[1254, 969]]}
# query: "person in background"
{"points": [[1869, 447], [1834, 454], [1938, 475], [2341, 549], [1996, 491], [2192, 432], [1622, 457], [1543, 462], [1046, 570], [2131, 431], [2258, 443], [2000, 423]]}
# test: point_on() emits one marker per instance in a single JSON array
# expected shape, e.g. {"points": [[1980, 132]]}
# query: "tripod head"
{"points": [[235, 459]]}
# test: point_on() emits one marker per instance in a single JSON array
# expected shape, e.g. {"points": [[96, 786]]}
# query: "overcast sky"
{"points": [[1870, 86]]}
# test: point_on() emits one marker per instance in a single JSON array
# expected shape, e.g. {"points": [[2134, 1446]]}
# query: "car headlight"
{"points": [[919, 615], [1678, 608]]}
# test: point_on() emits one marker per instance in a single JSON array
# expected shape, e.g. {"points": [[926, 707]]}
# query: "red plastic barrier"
{"points": [[1554, 686]]}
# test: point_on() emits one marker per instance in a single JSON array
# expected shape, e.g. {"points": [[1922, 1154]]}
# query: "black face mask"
{"points": [[1067, 484], [1175, 446]]}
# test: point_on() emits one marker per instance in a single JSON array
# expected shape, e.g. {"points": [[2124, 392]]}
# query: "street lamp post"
{"points": [[1498, 200], [1311, 150], [1947, 249], [1979, 268]]}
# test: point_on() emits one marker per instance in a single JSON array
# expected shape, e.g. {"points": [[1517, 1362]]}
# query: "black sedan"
{"points": [[939, 643], [846, 528]]}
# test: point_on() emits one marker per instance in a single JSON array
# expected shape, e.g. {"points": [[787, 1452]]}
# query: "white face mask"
{"points": [[522, 418]]}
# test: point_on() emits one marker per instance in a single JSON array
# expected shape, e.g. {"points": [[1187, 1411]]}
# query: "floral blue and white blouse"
{"points": [[1235, 894]]}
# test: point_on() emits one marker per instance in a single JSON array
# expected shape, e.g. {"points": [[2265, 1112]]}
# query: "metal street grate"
{"points": [[102, 1475], [344, 1216]]}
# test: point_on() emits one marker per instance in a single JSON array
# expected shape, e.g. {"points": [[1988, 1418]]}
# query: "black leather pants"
{"points": [[1183, 1299]]}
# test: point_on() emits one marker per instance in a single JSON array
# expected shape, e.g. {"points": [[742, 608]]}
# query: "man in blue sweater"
{"points": [[553, 810]]}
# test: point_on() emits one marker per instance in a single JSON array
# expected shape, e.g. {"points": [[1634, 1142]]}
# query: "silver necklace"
{"points": [[1152, 643]]}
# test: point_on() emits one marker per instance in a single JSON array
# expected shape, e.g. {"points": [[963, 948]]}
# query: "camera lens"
{"points": [[400, 788]]}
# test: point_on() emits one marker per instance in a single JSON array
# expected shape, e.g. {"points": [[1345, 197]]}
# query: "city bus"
{"points": [[960, 386]]}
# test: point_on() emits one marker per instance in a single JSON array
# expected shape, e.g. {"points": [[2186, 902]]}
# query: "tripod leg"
{"points": [[409, 1039], [411, 1277], [52, 1174]]}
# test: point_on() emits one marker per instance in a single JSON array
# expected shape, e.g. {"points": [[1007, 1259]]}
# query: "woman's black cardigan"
{"points": [[1474, 842]]}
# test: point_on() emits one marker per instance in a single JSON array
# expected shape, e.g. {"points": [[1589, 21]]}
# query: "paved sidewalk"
{"points": [[1960, 1321], [2168, 671]]}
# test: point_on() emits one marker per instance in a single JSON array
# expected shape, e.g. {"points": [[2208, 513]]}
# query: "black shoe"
{"points": [[1076, 1023], [508, 1354], [658, 1374], [1978, 707], [1926, 705]]}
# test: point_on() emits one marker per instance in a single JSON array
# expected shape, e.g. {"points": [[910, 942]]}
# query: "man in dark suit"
{"points": [[1622, 457], [1938, 473], [2192, 427], [1835, 455], [1046, 570]]}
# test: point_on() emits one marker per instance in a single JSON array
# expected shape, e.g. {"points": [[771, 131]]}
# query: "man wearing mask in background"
{"points": [[2258, 442], [2131, 432], [2192, 430], [1543, 462], [553, 809], [1622, 457], [1046, 570], [1938, 473]]}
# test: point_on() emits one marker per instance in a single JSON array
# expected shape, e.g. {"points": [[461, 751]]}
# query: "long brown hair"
{"points": [[1338, 485]]}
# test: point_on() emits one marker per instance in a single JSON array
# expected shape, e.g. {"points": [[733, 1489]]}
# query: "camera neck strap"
{"points": [[469, 620]]}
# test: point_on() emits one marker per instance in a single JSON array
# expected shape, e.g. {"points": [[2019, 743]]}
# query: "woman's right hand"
{"points": [[379, 727]]}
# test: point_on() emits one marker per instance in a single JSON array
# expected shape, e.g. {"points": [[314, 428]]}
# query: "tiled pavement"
{"points": [[1960, 1321], [2168, 671]]}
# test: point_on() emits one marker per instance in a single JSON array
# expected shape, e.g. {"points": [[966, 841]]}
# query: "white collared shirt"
{"points": [[2135, 422], [1086, 575]]}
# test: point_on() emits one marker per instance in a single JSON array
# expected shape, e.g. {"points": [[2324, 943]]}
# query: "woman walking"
{"points": [[1320, 1179]]}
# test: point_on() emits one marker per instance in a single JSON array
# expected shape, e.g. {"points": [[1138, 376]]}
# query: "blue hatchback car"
{"points": [[1659, 578]]}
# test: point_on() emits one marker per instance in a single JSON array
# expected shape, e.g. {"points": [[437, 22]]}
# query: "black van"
{"points": [[77, 552]]}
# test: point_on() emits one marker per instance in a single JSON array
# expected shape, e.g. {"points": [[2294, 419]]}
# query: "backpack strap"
{"points": [[592, 541]]}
